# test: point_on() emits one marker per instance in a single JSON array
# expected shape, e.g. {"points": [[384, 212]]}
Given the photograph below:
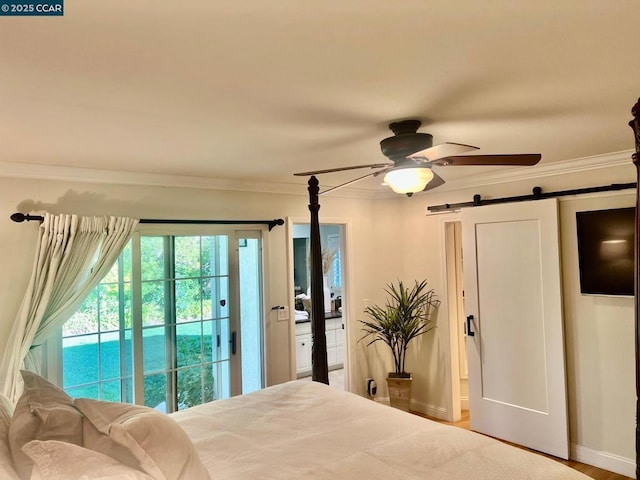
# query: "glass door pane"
{"points": [[249, 260], [216, 297], [186, 333]]}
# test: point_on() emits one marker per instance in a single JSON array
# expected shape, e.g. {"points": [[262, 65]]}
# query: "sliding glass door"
{"points": [[187, 329], [187, 324]]}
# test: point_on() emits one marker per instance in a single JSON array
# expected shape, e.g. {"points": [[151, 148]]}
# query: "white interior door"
{"points": [[516, 354]]}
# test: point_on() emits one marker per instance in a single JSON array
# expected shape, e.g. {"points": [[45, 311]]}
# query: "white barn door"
{"points": [[513, 304]]}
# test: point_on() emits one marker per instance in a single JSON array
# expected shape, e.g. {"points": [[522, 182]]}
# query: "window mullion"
{"points": [[99, 336], [136, 326], [121, 329], [170, 330], [202, 346], [234, 386]]}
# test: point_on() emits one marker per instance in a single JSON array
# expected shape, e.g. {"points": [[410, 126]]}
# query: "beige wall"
{"points": [[17, 241], [599, 348], [599, 331], [390, 239]]}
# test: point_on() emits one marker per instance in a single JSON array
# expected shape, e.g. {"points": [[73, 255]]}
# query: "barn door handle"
{"points": [[467, 329]]}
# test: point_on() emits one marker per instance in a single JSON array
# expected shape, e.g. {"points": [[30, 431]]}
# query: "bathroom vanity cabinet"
{"points": [[334, 331]]}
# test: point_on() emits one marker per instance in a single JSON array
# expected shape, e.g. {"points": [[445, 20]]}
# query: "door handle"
{"points": [[467, 329], [233, 343]]}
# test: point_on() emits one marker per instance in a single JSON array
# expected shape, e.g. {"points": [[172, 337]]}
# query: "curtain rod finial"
{"points": [[21, 217]]}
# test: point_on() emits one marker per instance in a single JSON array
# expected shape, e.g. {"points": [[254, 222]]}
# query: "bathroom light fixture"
{"points": [[408, 180]]}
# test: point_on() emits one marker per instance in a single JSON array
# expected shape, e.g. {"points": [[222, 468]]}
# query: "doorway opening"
{"points": [[333, 240], [455, 307]]}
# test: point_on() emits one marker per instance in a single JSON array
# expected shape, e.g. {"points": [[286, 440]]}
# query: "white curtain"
{"points": [[72, 256]]}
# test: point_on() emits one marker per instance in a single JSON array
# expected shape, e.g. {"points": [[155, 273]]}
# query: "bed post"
{"points": [[319, 366], [635, 125]]}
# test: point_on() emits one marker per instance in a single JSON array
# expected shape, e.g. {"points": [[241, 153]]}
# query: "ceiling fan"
{"points": [[413, 157]]}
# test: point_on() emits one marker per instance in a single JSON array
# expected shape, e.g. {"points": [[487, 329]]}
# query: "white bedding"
{"points": [[301, 430]]}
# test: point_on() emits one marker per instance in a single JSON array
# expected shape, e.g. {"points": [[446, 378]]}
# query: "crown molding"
{"points": [[102, 176], [89, 175], [93, 175]]}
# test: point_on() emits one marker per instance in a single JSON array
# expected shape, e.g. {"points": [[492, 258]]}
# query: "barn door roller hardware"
{"points": [[537, 194]]}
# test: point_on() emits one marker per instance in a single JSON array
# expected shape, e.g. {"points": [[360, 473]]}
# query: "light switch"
{"points": [[283, 314]]}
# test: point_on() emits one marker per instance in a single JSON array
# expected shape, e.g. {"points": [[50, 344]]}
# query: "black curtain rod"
{"points": [[536, 195], [21, 217]]}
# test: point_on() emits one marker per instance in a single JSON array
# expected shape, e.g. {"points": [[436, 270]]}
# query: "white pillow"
{"points": [[142, 438], [54, 460], [43, 412], [6, 460]]}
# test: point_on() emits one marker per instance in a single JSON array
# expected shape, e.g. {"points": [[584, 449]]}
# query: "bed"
{"points": [[295, 430], [305, 429]]}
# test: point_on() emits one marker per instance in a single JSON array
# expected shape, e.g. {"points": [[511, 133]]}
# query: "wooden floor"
{"points": [[594, 472]]}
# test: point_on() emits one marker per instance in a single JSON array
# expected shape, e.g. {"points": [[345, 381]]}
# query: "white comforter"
{"points": [[301, 430]]}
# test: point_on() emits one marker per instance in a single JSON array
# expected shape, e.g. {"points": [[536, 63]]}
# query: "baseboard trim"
{"points": [[608, 461], [605, 460], [464, 403], [423, 408], [429, 410]]}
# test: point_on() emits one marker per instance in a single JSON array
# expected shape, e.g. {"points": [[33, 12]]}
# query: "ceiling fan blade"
{"points": [[383, 171], [525, 159], [342, 169], [446, 149], [436, 181], [348, 183]]}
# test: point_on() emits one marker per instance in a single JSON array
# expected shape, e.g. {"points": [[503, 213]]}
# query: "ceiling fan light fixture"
{"points": [[408, 179]]}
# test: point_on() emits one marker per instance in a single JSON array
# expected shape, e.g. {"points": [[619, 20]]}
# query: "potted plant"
{"points": [[406, 315]]}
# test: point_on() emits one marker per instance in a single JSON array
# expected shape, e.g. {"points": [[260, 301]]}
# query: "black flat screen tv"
{"points": [[605, 251]]}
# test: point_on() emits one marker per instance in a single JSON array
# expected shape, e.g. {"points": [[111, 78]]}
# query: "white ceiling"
{"points": [[254, 91]]}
